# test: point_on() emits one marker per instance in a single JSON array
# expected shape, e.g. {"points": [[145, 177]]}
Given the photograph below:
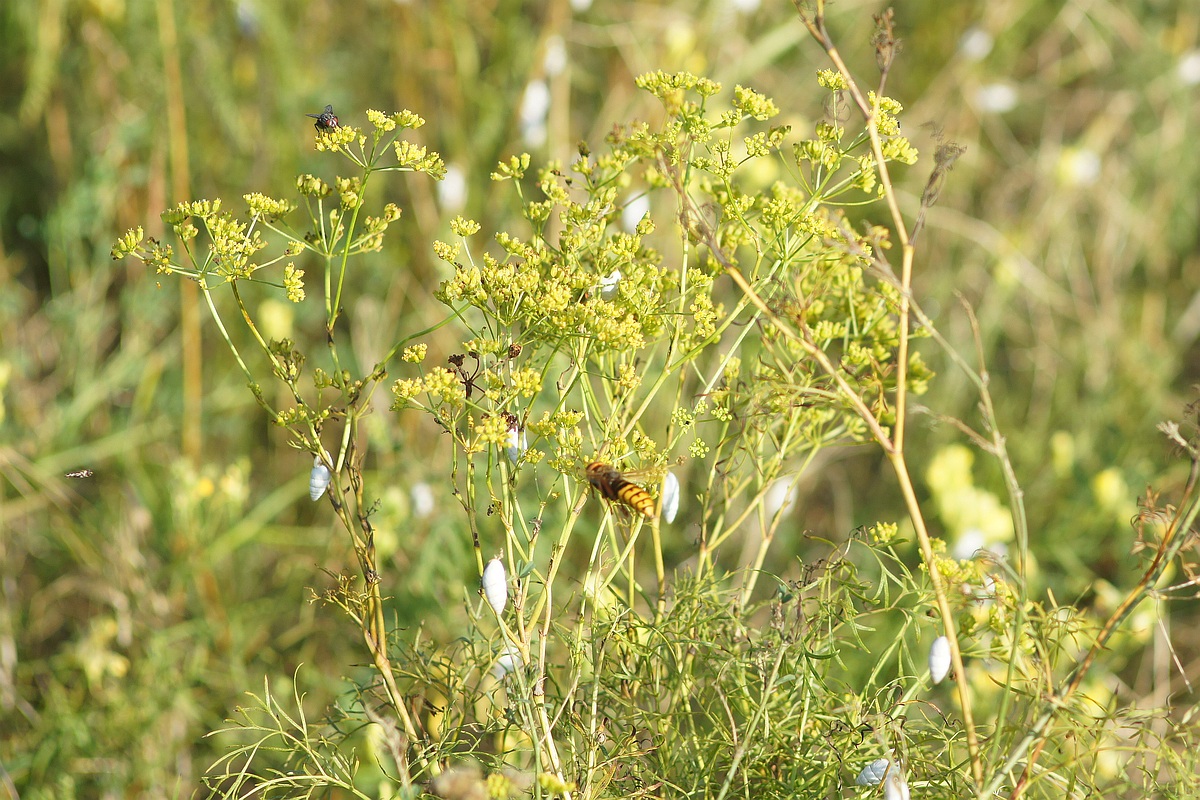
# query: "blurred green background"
{"points": [[139, 604]]}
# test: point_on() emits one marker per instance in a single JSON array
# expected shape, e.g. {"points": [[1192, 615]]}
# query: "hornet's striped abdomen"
{"points": [[609, 481]]}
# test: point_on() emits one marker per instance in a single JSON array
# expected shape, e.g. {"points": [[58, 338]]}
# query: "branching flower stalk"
{"points": [[893, 445], [541, 301], [230, 260], [1033, 743], [1175, 537]]}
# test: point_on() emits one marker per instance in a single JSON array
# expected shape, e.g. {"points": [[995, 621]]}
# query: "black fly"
{"points": [[326, 120]]}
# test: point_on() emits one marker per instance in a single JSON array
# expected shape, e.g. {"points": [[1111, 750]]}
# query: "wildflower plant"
{"points": [[749, 317], [220, 250]]}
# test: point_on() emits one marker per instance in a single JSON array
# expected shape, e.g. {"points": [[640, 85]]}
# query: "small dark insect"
{"points": [[80, 473], [609, 481], [326, 120], [468, 381]]}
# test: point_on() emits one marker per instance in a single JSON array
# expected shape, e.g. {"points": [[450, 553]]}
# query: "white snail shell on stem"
{"points": [[670, 497], [895, 787], [318, 479], [495, 585], [872, 773], [506, 662], [518, 443], [939, 659], [608, 284]]}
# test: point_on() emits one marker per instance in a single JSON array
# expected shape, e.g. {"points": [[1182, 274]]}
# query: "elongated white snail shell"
{"points": [[495, 585], [670, 497], [872, 773], [506, 662], [939, 659], [318, 479], [518, 443], [895, 786], [609, 283]]}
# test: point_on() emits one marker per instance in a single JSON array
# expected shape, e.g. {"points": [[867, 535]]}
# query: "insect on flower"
{"points": [[610, 482], [326, 120]]}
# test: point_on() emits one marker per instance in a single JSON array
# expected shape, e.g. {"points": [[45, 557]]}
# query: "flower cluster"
{"points": [[233, 245], [268, 208], [312, 186], [336, 138], [293, 283], [419, 159]]}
